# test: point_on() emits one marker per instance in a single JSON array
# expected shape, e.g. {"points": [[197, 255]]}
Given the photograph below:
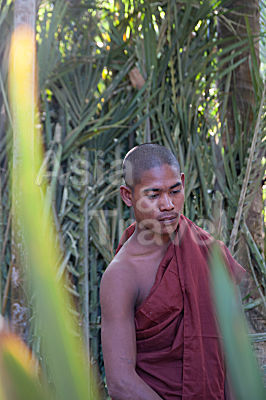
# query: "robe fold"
{"points": [[178, 344]]}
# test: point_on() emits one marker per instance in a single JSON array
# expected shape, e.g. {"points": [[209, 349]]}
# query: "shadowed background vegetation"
{"points": [[185, 74]]}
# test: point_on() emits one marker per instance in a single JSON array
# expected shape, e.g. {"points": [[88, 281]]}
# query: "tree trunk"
{"points": [[24, 14], [241, 89], [241, 84]]}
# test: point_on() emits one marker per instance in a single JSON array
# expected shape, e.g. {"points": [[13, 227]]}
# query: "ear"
{"points": [[183, 179], [126, 195]]}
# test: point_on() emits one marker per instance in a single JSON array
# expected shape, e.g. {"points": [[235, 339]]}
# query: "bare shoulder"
{"points": [[118, 289], [119, 271]]}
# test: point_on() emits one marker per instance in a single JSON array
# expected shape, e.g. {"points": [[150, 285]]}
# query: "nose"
{"points": [[166, 203]]}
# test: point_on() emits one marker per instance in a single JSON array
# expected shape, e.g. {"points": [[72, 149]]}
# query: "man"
{"points": [[159, 334]]}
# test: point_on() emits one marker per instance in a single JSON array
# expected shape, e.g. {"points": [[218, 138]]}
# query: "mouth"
{"points": [[168, 219]]}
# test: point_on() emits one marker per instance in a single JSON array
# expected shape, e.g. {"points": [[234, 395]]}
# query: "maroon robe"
{"points": [[178, 344]]}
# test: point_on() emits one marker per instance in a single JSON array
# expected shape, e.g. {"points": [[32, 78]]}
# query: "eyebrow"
{"points": [[158, 190]]}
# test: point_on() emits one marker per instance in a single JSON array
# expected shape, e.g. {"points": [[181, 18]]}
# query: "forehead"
{"points": [[160, 177]]}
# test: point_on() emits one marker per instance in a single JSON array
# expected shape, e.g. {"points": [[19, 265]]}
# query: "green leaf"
{"points": [[246, 380], [19, 383]]}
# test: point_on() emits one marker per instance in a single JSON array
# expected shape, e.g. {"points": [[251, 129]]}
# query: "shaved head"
{"points": [[144, 157]]}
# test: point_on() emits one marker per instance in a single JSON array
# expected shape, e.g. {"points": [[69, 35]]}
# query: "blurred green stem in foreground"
{"points": [[65, 354], [240, 361]]}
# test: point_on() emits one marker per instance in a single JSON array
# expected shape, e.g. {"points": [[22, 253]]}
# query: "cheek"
{"points": [[144, 206], [179, 201]]}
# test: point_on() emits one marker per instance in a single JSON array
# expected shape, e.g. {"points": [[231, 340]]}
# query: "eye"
{"points": [[153, 196], [175, 191]]}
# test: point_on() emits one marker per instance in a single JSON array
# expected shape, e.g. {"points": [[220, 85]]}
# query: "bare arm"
{"points": [[118, 295]]}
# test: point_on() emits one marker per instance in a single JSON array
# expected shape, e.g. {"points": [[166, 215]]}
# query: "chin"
{"points": [[169, 228], [169, 231]]}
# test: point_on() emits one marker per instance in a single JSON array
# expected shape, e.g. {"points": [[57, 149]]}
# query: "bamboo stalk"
{"points": [[6, 289], [118, 197], [1, 237], [2, 256], [5, 101], [255, 251], [86, 321], [206, 199], [256, 280], [246, 178], [94, 305], [84, 246]]}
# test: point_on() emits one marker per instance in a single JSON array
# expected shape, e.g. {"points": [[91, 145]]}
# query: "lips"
{"points": [[168, 218]]}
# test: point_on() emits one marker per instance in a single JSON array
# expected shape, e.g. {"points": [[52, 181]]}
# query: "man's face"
{"points": [[158, 199]]}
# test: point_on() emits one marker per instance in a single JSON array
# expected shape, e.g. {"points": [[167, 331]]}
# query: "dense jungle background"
{"points": [[114, 74]]}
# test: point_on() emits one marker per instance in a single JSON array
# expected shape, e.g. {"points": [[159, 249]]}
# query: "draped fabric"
{"points": [[178, 344]]}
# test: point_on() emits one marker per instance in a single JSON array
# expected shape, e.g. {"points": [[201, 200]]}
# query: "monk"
{"points": [[159, 333]]}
